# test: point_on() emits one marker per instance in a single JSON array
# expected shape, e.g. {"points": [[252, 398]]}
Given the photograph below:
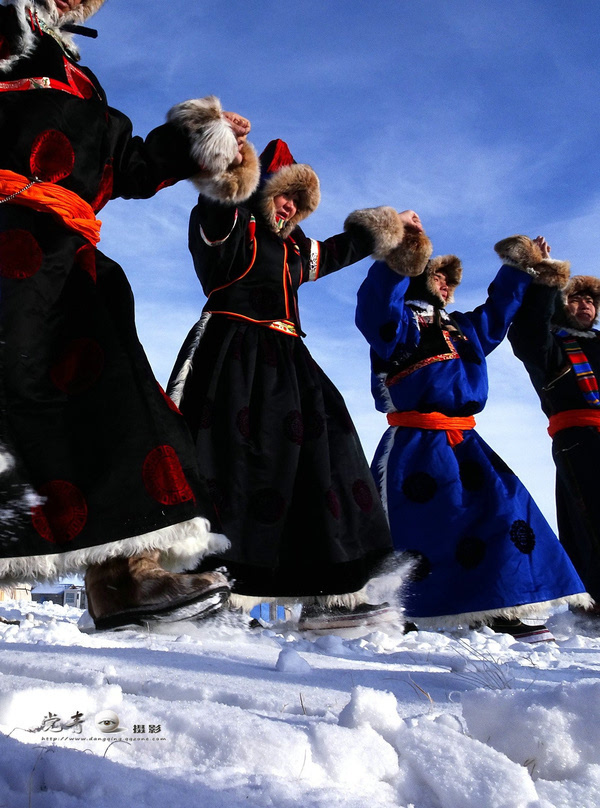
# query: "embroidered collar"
{"points": [[427, 311]]}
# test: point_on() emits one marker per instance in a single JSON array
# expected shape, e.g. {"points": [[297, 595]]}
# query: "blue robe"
{"points": [[481, 545]]}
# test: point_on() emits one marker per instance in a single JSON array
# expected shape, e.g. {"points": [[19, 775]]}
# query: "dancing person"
{"points": [[274, 439], [553, 335], [97, 469], [483, 552]]}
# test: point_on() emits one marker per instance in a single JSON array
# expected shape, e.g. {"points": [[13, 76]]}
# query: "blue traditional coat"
{"points": [[481, 545]]}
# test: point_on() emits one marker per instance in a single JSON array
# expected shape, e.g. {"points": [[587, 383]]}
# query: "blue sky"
{"points": [[478, 114]]}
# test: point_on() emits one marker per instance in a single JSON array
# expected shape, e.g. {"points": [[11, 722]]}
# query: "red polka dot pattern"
{"points": [[166, 184], [52, 156], [164, 478], [85, 258], [333, 503], [78, 367], [63, 515], [362, 496], [20, 254], [105, 188]]}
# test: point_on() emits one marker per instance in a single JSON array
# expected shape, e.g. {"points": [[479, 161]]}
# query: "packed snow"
{"points": [[220, 715]]}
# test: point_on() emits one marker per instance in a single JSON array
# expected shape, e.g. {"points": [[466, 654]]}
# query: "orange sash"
{"points": [[452, 426], [563, 420], [73, 211]]}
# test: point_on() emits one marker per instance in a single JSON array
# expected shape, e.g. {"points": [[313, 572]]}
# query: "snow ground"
{"points": [[219, 716]]}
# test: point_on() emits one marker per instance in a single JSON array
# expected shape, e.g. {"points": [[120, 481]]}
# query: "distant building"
{"points": [[16, 592], [65, 594]]}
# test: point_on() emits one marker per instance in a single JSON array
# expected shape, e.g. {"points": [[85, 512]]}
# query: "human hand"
{"points": [[240, 127], [543, 245], [239, 124], [411, 219]]}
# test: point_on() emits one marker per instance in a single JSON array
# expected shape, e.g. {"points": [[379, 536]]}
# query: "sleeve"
{"points": [[321, 258], [220, 241], [492, 319], [530, 334], [382, 316], [143, 166]]}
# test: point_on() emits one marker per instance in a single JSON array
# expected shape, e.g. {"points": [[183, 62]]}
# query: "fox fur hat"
{"points": [[583, 285], [422, 287], [281, 174]]}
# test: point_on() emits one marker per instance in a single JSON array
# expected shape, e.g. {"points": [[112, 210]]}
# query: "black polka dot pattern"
{"points": [[472, 475], [422, 565], [419, 487], [522, 536], [470, 552]]}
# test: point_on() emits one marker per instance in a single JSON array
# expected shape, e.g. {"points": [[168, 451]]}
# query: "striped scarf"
{"points": [[584, 375]]}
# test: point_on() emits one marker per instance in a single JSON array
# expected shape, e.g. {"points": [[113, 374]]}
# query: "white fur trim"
{"points": [[590, 333], [315, 264], [218, 242], [213, 143], [382, 466], [528, 610], [175, 390], [182, 546]]}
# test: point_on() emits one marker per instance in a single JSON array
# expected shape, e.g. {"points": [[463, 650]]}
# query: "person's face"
{"points": [[582, 309], [440, 284], [411, 219], [286, 206], [62, 6]]}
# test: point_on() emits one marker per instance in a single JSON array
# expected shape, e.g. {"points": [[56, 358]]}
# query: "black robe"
{"points": [[275, 442], [91, 449], [576, 450]]}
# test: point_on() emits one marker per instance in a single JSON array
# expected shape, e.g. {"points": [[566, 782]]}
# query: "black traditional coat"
{"points": [[576, 450], [275, 442], [91, 449]]}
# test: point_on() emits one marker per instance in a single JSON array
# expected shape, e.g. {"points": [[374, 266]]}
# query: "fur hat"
{"points": [[422, 287], [76, 15], [281, 174], [21, 39], [583, 285], [523, 253]]}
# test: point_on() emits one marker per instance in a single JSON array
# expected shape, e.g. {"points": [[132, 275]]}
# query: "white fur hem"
{"points": [[247, 602], [528, 610], [175, 390], [182, 546]]}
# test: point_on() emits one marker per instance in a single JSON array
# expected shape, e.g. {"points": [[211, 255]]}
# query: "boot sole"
{"points": [[330, 623], [204, 606]]}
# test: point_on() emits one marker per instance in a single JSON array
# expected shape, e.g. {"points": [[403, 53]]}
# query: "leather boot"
{"points": [[137, 590]]}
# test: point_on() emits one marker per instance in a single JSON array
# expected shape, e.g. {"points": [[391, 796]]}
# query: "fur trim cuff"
{"points": [[236, 183], [519, 251], [550, 272], [382, 224], [410, 257], [213, 143], [182, 547]]}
